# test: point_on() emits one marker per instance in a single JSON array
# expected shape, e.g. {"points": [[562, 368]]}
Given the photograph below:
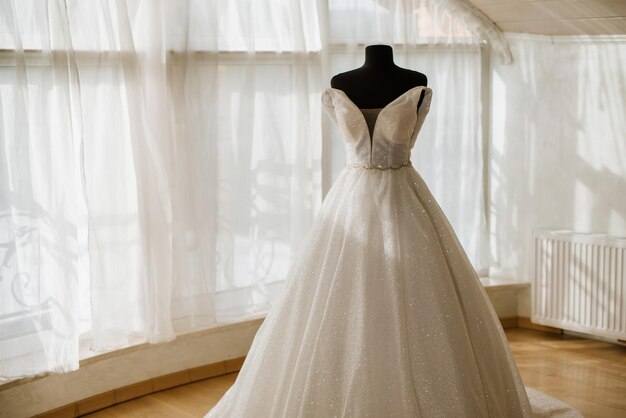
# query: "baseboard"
{"points": [[509, 322], [524, 322], [137, 390]]}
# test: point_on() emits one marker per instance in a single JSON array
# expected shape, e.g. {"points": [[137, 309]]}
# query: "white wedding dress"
{"points": [[382, 314]]}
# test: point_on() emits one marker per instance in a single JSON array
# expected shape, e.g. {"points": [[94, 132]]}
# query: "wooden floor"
{"points": [[589, 375]]}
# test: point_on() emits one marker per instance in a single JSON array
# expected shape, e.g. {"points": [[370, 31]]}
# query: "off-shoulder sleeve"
{"points": [[422, 111], [328, 105]]}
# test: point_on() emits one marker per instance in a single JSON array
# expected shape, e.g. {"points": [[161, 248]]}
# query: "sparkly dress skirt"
{"points": [[382, 316]]}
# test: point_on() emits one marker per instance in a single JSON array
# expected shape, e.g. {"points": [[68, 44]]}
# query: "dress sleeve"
{"points": [[422, 111], [328, 105]]}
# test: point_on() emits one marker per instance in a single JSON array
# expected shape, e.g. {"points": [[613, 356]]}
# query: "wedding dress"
{"points": [[382, 314]]}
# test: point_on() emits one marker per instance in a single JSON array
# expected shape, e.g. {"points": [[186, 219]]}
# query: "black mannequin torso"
{"points": [[379, 81]]}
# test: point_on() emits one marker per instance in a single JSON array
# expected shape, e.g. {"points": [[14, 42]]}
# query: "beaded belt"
{"points": [[379, 167]]}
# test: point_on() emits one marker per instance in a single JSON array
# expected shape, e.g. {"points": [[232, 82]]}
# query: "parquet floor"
{"points": [[588, 374]]}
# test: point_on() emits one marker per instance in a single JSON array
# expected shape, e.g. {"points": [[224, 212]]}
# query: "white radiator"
{"points": [[580, 282]]}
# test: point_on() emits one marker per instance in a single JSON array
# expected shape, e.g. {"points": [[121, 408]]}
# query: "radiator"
{"points": [[580, 282]]}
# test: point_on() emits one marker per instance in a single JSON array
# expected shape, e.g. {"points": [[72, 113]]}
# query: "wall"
{"points": [[558, 143]]}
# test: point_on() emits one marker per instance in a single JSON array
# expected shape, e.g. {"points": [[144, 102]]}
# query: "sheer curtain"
{"points": [[159, 163], [161, 160], [41, 210], [449, 151]]}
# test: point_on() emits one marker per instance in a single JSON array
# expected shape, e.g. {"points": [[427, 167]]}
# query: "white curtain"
{"points": [[41, 212], [449, 150], [161, 160]]}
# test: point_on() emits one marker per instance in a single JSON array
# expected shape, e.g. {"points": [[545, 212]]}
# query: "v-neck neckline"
{"points": [[382, 109]]}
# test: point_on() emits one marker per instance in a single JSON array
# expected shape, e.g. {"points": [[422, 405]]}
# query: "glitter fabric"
{"points": [[382, 314]]}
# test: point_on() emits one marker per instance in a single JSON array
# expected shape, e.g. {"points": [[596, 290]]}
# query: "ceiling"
{"points": [[557, 17]]}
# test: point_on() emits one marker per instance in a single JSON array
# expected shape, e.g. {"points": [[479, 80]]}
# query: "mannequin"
{"points": [[379, 81]]}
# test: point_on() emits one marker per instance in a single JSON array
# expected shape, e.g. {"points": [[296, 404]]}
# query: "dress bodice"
{"points": [[378, 138]]}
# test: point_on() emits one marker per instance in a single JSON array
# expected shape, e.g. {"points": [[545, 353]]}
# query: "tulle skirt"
{"points": [[382, 315]]}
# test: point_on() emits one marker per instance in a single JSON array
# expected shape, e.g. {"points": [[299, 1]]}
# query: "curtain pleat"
{"points": [[40, 201]]}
